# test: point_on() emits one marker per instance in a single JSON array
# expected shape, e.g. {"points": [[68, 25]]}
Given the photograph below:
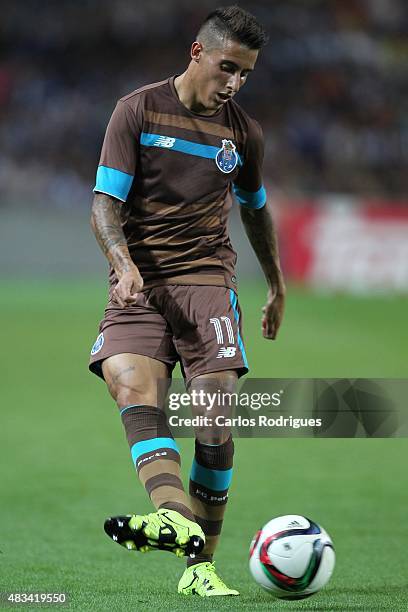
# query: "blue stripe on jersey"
{"points": [[113, 182], [233, 300], [216, 480], [148, 446], [182, 146], [251, 199]]}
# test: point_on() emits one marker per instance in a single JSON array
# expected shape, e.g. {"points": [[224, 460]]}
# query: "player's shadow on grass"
{"points": [[363, 592], [307, 604], [368, 590], [342, 607]]}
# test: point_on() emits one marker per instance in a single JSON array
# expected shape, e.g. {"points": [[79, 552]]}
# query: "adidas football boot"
{"points": [[201, 579], [162, 530]]}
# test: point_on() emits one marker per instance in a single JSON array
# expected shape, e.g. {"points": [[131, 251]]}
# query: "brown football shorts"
{"points": [[200, 326]]}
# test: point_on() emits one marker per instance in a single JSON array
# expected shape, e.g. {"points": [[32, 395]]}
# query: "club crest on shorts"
{"points": [[227, 157], [98, 344]]}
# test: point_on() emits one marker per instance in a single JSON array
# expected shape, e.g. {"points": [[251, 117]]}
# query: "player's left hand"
{"points": [[273, 313]]}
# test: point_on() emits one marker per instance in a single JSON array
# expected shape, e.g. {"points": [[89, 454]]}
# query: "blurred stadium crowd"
{"points": [[330, 90]]}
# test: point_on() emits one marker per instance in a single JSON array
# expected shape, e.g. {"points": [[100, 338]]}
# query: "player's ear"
{"points": [[196, 50]]}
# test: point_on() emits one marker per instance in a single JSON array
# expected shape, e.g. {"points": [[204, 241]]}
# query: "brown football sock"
{"points": [[209, 482], [156, 457]]}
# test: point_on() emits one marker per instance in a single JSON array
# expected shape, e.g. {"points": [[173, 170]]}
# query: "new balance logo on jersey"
{"points": [[228, 351], [164, 141]]}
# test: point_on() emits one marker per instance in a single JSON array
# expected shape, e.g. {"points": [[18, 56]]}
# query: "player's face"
{"points": [[222, 72]]}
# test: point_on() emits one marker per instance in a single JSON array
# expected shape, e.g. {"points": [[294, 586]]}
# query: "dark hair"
{"points": [[234, 23]]}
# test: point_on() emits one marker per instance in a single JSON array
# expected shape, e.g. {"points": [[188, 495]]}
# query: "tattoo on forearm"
{"points": [[106, 224], [261, 232]]}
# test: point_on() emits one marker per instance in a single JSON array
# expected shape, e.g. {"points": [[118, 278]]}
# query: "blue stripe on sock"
{"points": [[233, 299], [131, 406], [148, 446], [216, 480], [204, 444]]}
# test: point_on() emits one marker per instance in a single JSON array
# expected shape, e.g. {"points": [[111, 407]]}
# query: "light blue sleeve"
{"points": [[251, 199], [113, 182]]}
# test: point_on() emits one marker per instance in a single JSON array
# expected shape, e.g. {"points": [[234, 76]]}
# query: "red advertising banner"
{"points": [[341, 244]]}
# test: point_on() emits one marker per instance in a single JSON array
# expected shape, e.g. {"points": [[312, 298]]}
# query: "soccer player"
{"points": [[173, 153]]}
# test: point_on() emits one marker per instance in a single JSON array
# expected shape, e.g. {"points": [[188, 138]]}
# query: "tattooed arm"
{"points": [[260, 230], [107, 227]]}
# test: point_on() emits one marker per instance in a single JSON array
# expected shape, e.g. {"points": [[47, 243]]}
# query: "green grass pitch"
{"points": [[65, 466]]}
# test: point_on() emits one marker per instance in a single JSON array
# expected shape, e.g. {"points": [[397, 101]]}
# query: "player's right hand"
{"points": [[129, 285], [272, 313]]}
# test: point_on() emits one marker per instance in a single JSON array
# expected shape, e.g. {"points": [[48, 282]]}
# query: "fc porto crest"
{"points": [[227, 157], [98, 344]]}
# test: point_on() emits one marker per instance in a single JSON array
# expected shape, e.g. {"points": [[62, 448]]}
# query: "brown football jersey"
{"points": [[175, 171]]}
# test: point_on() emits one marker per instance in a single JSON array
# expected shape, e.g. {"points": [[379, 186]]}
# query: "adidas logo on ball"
{"points": [[293, 524], [291, 563]]}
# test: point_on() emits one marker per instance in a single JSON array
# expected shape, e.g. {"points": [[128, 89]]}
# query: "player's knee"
{"points": [[134, 392], [224, 382], [131, 383], [138, 394]]}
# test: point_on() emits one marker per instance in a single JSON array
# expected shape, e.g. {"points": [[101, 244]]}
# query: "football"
{"points": [[291, 557]]}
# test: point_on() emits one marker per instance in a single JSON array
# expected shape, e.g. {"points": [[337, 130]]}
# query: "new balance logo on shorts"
{"points": [[228, 351], [164, 141]]}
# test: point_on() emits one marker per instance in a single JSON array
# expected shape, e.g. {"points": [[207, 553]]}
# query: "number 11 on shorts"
{"points": [[218, 322]]}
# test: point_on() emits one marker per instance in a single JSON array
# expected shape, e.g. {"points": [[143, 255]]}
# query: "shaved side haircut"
{"points": [[231, 23]]}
